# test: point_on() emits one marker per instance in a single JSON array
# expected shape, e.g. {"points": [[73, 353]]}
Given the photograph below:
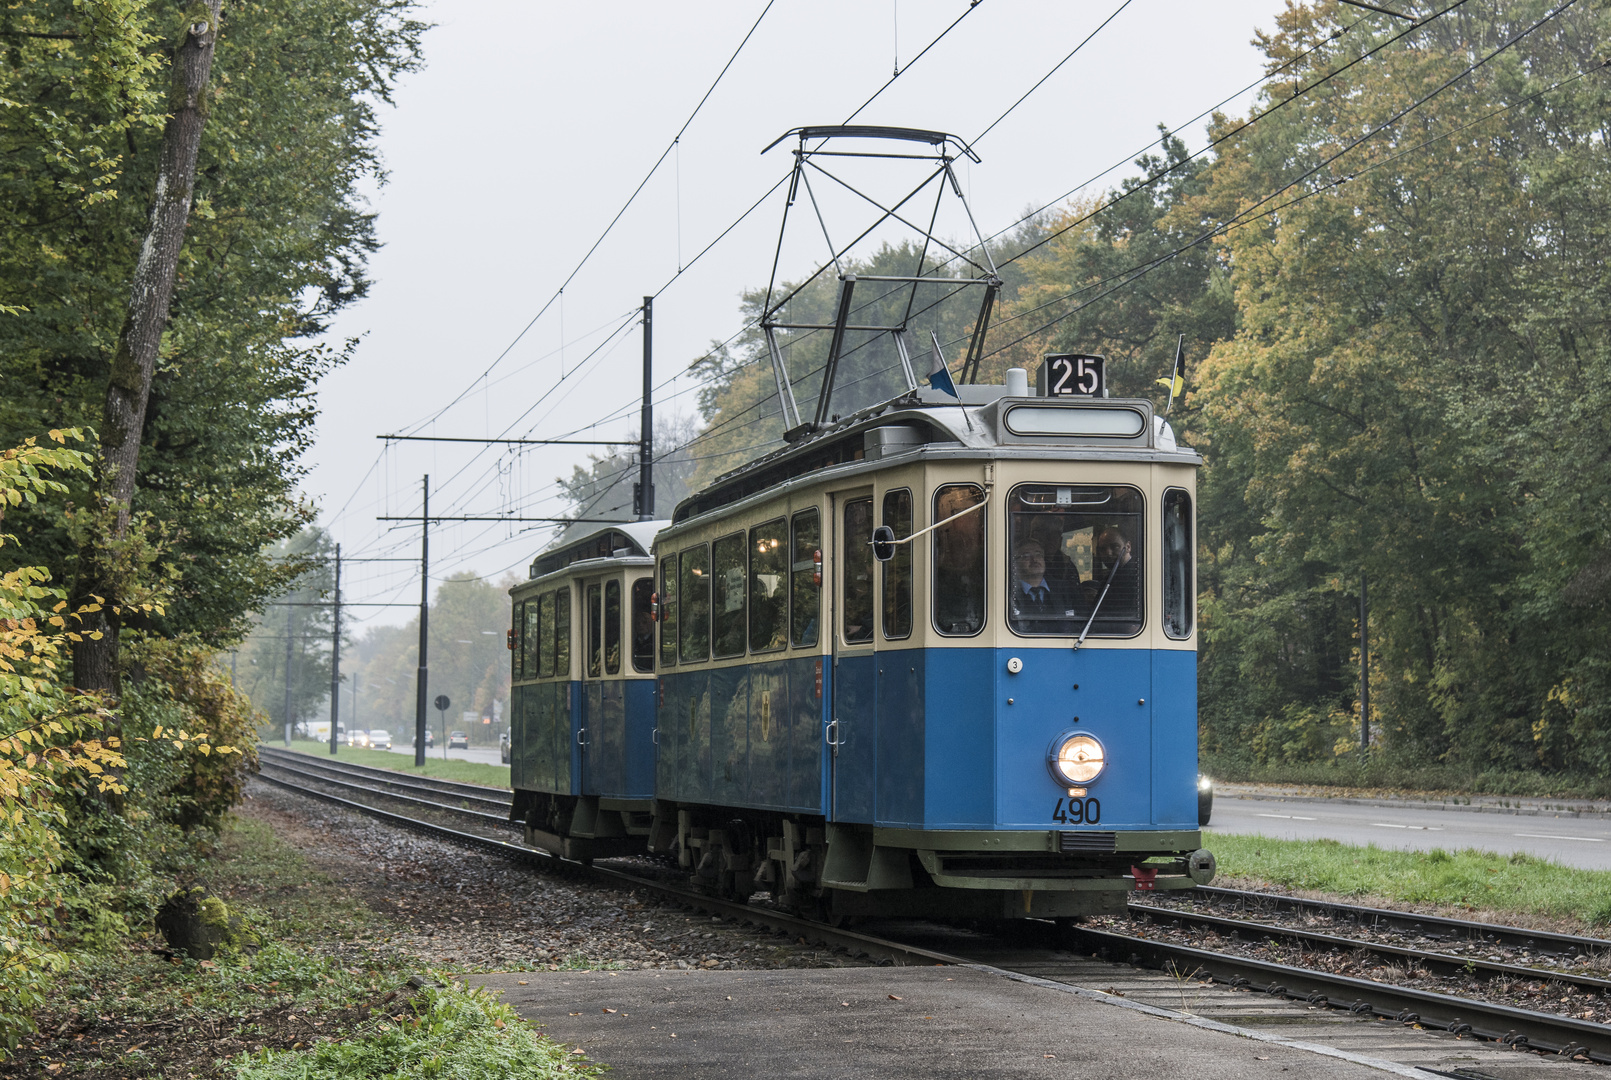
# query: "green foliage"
{"points": [[275, 244], [449, 1033], [1500, 884], [301, 617], [604, 487]]}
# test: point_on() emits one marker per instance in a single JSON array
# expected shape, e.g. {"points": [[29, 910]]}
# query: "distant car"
{"points": [[458, 740], [379, 740], [503, 747], [430, 738], [1205, 800], [357, 738]]}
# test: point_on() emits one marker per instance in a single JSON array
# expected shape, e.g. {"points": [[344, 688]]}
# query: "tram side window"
{"points": [[595, 634], [612, 628], [1076, 556], [898, 570], [805, 578], [668, 611], [546, 636], [533, 636], [959, 561], [643, 624], [769, 597], [1178, 598], [517, 654], [562, 632], [694, 589], [727, 583], [858, 571]]}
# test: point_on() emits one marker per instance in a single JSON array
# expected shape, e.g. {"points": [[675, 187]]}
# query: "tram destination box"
{"points": [[1072, 375]]}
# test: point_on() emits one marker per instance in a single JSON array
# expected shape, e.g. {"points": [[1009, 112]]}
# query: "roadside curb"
{"points": [[1526, 808]]}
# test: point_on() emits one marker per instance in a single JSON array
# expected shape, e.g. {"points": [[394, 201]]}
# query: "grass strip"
{"points": [[439, 768], [1470, 880], [449, 1032]]}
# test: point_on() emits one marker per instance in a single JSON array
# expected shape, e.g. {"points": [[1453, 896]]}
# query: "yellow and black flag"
{"points": [[1177, 377]]}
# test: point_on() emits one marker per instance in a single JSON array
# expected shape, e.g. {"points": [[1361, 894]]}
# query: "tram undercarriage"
{"points": [[831, 870]]}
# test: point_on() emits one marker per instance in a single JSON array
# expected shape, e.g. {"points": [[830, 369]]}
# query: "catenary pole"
{"points": [[1364, 670], [646, 440], [420, 683], [289, 612], [335, 657]]}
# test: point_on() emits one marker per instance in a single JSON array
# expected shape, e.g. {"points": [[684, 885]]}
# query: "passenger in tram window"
{"points": [[1112, 562], [1035, 597], [1047, 530], [642, 631]]}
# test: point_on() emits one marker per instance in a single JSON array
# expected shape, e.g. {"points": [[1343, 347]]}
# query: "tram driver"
{"points": [[1115, 571]]}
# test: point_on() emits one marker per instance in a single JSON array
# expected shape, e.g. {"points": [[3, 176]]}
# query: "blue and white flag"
{"points": [[940, 375]]}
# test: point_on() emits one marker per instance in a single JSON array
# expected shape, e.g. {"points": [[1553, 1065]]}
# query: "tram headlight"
{"points": [[1077, 759]]}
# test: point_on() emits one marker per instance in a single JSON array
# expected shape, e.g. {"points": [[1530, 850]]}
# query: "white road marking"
{"points": [[1550, 836], [1417, 828], [1287, 817]]}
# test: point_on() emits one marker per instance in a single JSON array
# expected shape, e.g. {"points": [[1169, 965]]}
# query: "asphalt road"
{"points": [[1581, 842], [486, 755]]}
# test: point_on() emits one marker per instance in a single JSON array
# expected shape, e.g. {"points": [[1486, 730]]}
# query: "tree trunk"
{"points": [[95, 662]]}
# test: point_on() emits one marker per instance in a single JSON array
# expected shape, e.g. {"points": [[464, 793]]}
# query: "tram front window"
{"points": [[1075, 552]]}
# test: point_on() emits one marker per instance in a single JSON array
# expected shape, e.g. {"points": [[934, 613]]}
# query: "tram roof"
{"points": [[926, 421], [596, 540]]}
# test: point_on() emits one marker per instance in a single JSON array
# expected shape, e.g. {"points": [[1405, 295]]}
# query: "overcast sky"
{"points": [[533, 122]]}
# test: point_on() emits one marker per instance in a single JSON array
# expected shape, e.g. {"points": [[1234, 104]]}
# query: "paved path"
{"points": [[1583, 842], [1096, 1020]]}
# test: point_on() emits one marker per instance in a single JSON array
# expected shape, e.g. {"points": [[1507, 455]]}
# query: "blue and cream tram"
{"points": [[989, 713], [582, 703]]}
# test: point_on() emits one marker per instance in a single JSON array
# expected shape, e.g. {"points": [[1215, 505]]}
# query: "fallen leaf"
{"points": [[1052, 1056], [578, 1050], [1259, 1057], [498, 1024], [893, 997], [846, 1004], [522, 982], [576, 1014], [609, 1010]]}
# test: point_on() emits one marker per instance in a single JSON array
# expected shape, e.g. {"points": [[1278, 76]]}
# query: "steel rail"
{"points": [[1521, 1028], [856, 943], [338, 774], [1442, 963], [1407, 920], [1502, 1023], [477, 815], [459, 786]]}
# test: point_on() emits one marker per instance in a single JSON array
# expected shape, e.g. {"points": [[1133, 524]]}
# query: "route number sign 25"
{"points": [[1072, 375]]}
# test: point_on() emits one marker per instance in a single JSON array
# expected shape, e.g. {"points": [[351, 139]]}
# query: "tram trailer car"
{"points": [[991, 713]]}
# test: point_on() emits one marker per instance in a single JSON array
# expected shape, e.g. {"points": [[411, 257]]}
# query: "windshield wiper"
{"points": [[1111, 575]]}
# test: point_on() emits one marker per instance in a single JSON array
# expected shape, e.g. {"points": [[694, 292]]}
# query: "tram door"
{"points": [[852, 731], [601, 735]]}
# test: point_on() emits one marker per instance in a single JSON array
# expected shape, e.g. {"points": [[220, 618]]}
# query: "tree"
{"points": [[276, 243], [95, 659], [603, 488], [287, 656]]}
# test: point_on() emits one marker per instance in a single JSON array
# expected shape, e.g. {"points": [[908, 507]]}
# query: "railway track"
{"points": [[1310, 987]]}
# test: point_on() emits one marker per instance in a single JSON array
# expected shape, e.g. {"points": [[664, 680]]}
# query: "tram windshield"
{"points": [[1075, 552]]}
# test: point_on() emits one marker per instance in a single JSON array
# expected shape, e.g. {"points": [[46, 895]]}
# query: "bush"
{"points": [[441, 1035]]}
